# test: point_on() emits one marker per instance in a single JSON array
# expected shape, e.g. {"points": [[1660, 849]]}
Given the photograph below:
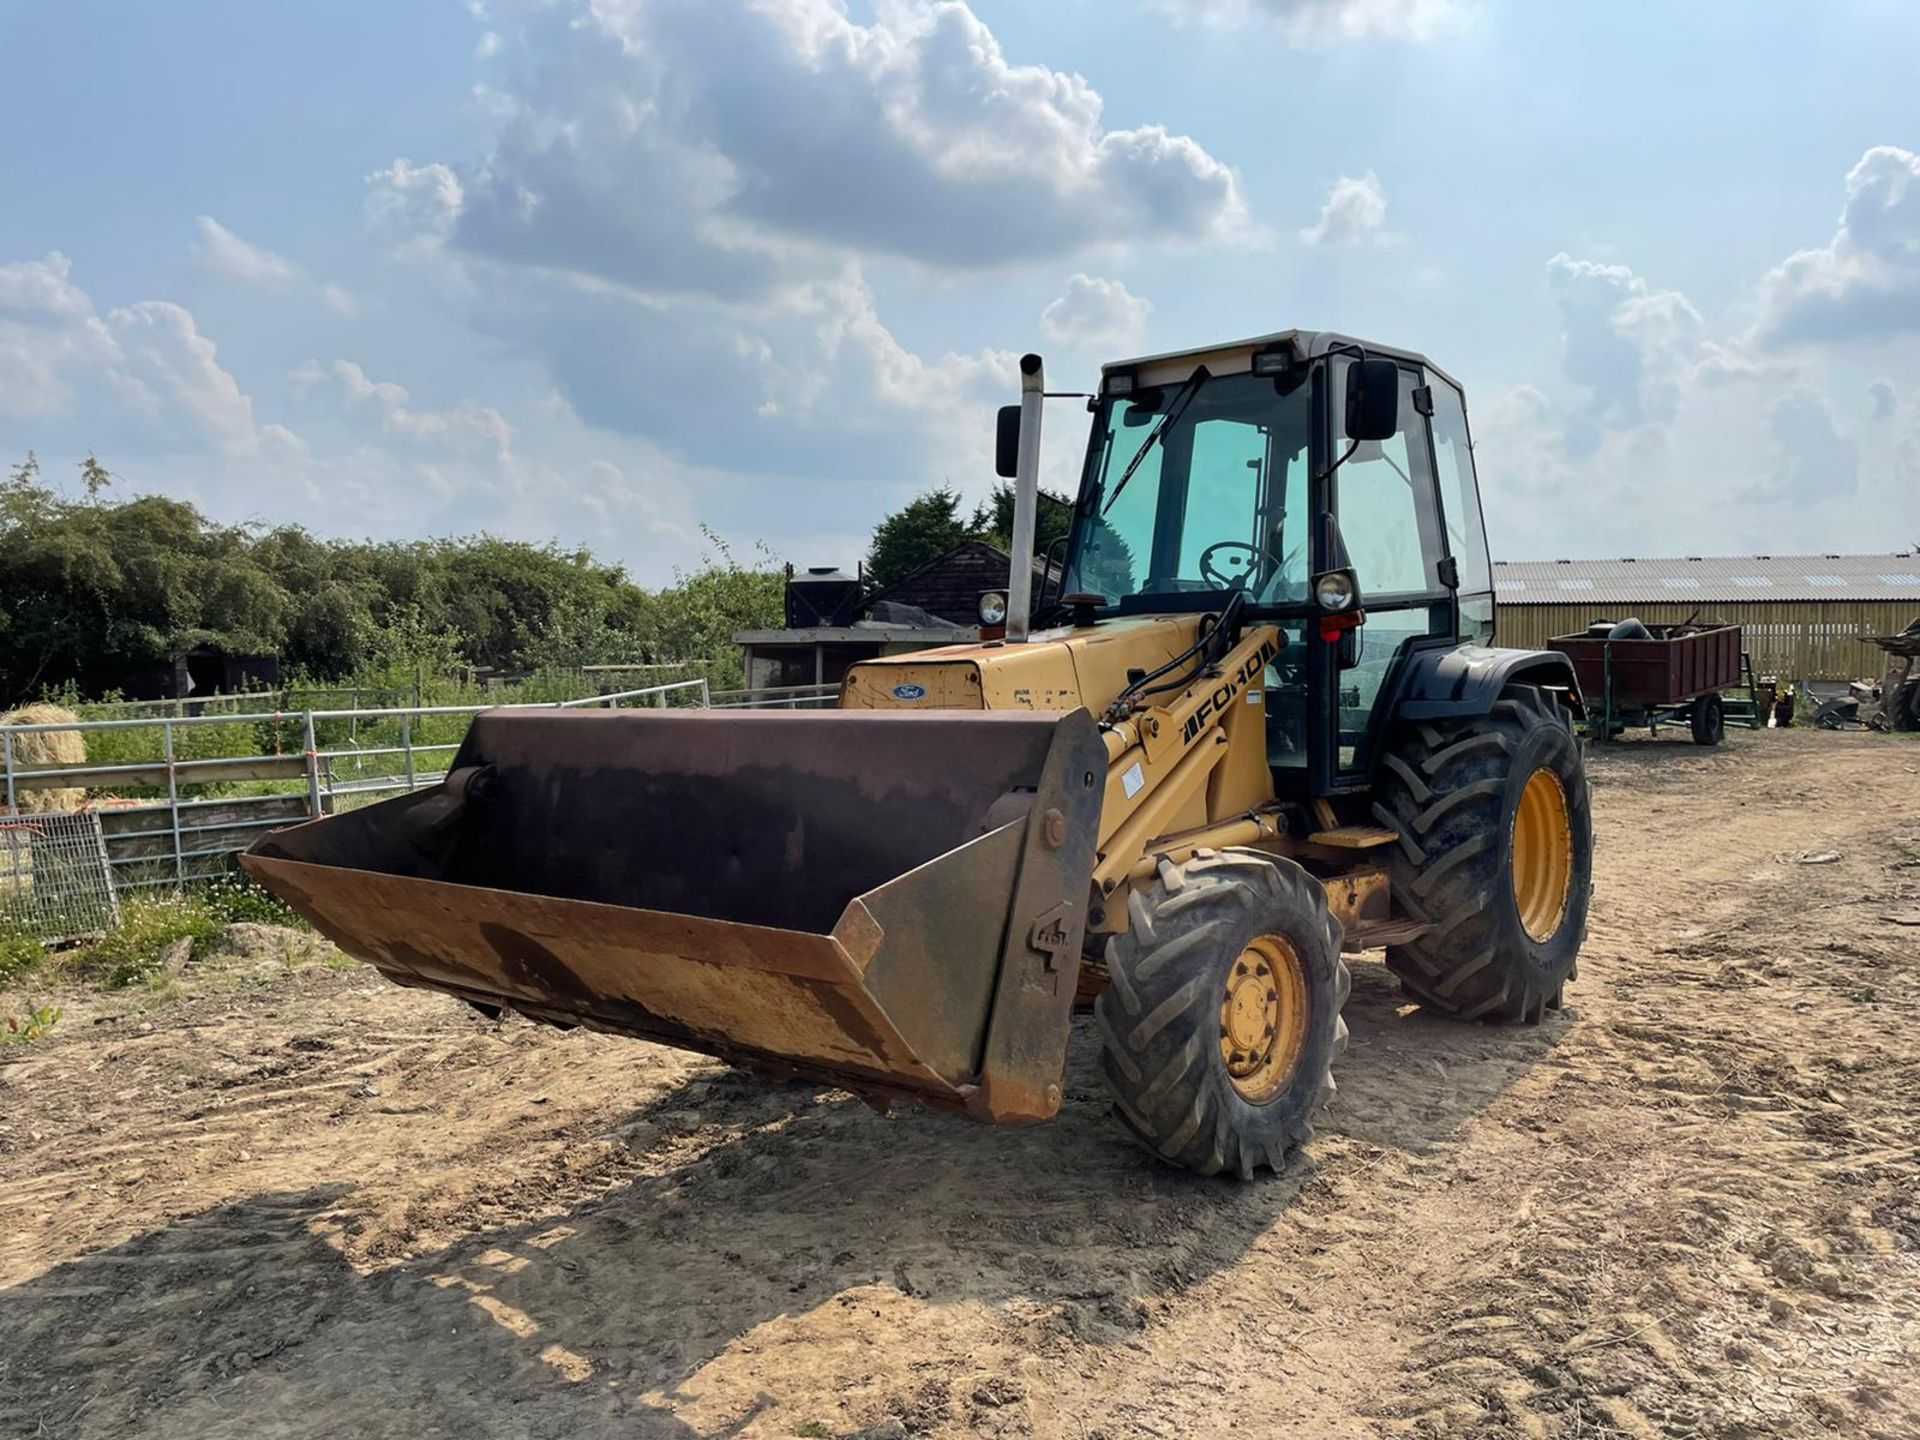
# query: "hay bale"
{"points": [[36, 750]]}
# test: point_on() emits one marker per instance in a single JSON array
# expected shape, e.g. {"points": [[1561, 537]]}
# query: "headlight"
{"points": [[1334, 592], [993, 608]]}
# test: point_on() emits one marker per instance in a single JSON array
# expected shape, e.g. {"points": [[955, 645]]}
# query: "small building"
{"points": [[191, 674], [938, 604], [1802, 616]]}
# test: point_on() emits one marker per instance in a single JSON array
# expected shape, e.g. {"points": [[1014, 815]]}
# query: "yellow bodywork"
{"points": [[1187, 768]]}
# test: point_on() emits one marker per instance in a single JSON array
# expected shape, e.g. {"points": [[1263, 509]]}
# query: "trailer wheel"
{"points": [[1222, 1015], [1709, 720], [1495, 854], [1904, 712]]}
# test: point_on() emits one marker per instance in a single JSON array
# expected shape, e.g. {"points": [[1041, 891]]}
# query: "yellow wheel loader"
{"points": [[1255, 726]]}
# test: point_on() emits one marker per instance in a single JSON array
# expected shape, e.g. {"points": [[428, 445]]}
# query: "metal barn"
{"points": [[1802, 615]]}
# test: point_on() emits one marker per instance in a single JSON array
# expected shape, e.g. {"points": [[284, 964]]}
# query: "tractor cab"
{"points": [[1253, 469]]}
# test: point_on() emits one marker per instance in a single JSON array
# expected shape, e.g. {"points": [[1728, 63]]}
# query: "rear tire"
{"points": [[1505, 937], [1708, 720], [1184, 979]]}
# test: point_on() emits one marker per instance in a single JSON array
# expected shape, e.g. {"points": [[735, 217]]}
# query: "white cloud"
{"points": [[410, 204], [1097, 316], [1546, 498], [172, 374], [1813, 461], [1628, 345], [42, 289], [1736, 362], [221, 252], [1355, 212], [225, 254], [676, 209], [49, 337], [1313, 24], [1519, 448], [1661, 423], [142, 373], [468, 428], [724, 148], [1865, 282], [145, 389]]}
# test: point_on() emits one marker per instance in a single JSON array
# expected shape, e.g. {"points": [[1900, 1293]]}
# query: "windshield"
{"points": [[1218, 504]]}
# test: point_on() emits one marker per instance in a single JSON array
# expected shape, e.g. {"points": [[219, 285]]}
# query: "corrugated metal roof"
{"points": [[1718, 578]]}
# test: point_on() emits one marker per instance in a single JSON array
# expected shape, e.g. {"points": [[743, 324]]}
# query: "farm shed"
{"points": [[1802, 615], [938, 604]]}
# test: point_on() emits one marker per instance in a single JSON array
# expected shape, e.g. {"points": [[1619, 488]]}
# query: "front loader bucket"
{"points": [[889, 901]]}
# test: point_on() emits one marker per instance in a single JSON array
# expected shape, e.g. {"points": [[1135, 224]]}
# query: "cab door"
{"points": [[1387, 526]]}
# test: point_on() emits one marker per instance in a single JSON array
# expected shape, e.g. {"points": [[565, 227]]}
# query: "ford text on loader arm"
{"points": [[1260, 724]]}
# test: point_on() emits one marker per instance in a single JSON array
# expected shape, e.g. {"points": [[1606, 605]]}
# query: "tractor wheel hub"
{"points": [[1263, 1018]]}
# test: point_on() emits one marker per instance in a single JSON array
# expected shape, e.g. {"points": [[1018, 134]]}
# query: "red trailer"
{"points": [[1653, 675]]}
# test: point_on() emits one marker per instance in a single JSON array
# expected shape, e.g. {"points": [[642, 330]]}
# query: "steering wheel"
{"points": [[1220, 578]]}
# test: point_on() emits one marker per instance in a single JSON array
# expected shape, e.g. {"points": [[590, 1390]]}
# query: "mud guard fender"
{"points": [[1467, 679]]}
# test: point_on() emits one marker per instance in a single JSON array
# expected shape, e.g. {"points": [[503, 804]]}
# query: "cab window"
{"points": [[1385, 503]]}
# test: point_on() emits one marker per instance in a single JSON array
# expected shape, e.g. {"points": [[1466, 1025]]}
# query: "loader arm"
{"points": [[1186, 766]]}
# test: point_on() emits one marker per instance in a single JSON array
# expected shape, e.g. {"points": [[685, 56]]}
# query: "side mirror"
{"points": [[1006, 442], [1373, 400]]}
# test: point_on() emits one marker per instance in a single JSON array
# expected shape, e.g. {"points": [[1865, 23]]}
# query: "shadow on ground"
{"points": [[765, 1202]]}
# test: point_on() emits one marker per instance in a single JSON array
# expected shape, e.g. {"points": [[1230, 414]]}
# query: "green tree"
{"points": [[94, 476], [993, 518], [923, 530], [90, 586], [696, 617]]}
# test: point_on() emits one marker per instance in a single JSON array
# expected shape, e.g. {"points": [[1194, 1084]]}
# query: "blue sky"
{"points": [[608, 272]]}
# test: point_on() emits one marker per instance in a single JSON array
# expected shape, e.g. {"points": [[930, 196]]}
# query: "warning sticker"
{"points": [[1134, 780]]}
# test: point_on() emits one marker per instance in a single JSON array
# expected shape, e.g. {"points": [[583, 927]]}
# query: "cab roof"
{"points": [[1235, 357]]}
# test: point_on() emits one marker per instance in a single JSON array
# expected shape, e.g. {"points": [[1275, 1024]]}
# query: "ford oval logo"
{"points": [[909, 692]]}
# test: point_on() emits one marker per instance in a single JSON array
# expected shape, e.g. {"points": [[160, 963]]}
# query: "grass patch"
{"points": [[150, 927], [144, 948], [19, 954], [236, 900]]}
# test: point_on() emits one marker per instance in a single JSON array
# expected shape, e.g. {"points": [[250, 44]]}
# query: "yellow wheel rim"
{"points": [[1542, 852], [1263, 1018]]}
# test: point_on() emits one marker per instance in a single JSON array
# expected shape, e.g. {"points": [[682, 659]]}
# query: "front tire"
{"points": [[1221, 1018], [1495, 854]]}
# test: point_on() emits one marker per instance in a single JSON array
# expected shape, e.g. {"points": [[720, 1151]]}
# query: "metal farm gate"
{"points": [[196, 795]]}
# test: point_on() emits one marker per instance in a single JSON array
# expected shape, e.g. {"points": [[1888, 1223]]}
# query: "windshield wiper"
{"points": [[1181, 400]]}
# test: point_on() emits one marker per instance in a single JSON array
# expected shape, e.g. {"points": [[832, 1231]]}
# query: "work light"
{"points": [[1334, 590], [993, 608]]}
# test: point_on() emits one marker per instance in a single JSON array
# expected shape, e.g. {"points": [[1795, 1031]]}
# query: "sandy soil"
{"points": [[301, 1202]]}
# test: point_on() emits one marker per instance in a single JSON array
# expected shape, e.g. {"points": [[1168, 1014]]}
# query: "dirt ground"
{"points": [[298, 1201]]}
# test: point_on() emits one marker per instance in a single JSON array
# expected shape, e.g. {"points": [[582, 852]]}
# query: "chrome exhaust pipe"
{"points": [[1026, 500]]}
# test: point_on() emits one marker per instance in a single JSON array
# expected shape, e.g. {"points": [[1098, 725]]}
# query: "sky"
{"points": [[634, 273]]}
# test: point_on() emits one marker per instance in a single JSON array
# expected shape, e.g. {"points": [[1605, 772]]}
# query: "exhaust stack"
{"points": [[1026, 500]]}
